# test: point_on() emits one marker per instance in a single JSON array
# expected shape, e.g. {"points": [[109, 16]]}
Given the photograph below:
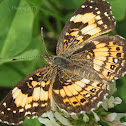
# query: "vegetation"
{"points": [[20, 37]]}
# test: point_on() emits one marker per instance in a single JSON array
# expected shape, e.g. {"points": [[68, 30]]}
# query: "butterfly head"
{"points": [[49, 59]]}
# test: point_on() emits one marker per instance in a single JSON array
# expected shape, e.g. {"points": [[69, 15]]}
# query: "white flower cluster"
{"points": [[52, 117], [114, 119]]}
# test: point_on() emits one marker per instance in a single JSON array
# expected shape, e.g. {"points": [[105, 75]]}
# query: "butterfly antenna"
{"points": [[43, 40], [26, 57], [35, 56]]}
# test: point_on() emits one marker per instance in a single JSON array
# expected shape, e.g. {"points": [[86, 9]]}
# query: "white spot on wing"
{"points": [[92, 1], [105, 26], [28, 106], [96, 8], [98, 12], [115, 23], [100, 22], [4, 104], [27, 113], [90, 7], [115, 60], [82, 6], [98, 17], [14, 111], [5, 122], [2, 112], [35, 104], [21, 110], [106, 14], [111, 12], [8, 109]]}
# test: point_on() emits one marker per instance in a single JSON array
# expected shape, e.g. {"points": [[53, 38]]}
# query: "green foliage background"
{"points": [[20, 23]]}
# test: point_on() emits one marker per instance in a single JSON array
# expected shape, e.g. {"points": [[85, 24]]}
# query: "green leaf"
{"points": [[32, 122], [121, 29], [67, 4], [8, 75], [6, 18], [121, 92], [118, 8], [19, 30]]}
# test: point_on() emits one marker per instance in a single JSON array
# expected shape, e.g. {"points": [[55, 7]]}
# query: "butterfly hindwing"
{"points": [[31, 97], [91, 19], [76, 96]]}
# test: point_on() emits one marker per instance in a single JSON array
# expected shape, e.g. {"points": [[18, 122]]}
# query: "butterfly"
{"points": [[76, 78]]}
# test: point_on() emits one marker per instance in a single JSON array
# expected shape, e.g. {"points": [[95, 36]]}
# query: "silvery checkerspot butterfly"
{"points": [[76, 78]]}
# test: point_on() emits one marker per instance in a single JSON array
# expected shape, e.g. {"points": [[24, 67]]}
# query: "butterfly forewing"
{"points": [[110, 57], [105, 54], [31, 97], [91, 19]]}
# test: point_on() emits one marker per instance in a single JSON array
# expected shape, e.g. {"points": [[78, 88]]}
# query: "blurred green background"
{"points": [[20, 23]]}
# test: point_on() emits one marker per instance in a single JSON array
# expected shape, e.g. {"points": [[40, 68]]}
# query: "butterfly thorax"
{"points": [[73, 69], [61, 62], [57, 61]]}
